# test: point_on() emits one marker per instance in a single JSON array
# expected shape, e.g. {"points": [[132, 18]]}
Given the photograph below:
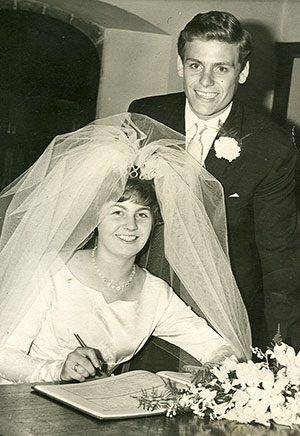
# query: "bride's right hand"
{"points": [[80, 364]]}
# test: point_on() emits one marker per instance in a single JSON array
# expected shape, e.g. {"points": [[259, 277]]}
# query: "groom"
{"points": [[252, 158]]}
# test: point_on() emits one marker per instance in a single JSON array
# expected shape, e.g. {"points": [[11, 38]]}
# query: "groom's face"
{"points": [[211, 73]]}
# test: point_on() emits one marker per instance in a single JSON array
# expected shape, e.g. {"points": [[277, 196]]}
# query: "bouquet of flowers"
{"points": [[245, 392]]}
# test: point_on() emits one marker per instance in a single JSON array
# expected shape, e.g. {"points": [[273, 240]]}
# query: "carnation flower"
{"points": [[227, 148]]}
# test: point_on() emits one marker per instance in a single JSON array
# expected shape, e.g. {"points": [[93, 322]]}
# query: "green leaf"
{"points": [[277, 339]]}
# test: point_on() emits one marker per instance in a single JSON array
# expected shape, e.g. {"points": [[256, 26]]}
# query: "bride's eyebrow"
{"points": [[118, 205], [140, 209]]}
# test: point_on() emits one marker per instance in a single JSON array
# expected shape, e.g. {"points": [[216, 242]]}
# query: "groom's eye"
{"points": [[222, 69], [195, 66]]}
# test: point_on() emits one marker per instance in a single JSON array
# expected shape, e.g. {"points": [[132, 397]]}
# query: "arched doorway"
{"points": [[49, 80]]}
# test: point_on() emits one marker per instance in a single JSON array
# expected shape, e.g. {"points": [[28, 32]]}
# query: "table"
{"points": [[26, 413]]}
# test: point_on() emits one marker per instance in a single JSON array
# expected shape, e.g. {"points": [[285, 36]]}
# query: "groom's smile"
{"points": [[211, 73]]}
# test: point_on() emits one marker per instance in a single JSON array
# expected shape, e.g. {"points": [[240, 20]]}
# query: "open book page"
{"points": [[113, 397], [107, 398]]}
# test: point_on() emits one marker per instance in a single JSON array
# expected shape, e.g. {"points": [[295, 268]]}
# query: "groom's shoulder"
{"points": [[157, 102], [259, 122]]}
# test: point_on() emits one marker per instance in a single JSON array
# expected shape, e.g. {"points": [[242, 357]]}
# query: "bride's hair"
{"points": [[142, 192]]}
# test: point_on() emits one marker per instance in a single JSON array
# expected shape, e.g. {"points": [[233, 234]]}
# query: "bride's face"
{"points": [[125, 228]]}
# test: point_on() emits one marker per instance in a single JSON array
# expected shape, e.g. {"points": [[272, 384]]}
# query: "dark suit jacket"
{"points": [[261, 218]]}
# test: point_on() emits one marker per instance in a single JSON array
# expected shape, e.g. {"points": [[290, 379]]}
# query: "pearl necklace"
{"points": [[109, 282]]}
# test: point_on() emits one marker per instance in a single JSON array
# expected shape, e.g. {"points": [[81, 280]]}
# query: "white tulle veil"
{"points": [[52, 208]]}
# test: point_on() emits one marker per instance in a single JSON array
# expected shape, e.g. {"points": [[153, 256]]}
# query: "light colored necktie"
{"points": [[195, 145], [202, 141]]}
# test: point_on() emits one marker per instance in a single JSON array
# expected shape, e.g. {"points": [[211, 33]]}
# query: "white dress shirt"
{"points": [[200, 134]]}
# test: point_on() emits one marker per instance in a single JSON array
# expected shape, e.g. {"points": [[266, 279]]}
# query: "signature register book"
{"points": [[113, 397]]}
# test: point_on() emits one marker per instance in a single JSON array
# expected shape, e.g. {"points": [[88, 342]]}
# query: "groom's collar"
{"points": [[191, 119]]}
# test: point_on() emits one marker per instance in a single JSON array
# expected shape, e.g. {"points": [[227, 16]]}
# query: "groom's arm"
{"points": [[278, 241]]}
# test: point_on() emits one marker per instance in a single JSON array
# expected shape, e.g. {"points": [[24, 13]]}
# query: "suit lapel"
{"points": [[176, 119], [217, 166]]}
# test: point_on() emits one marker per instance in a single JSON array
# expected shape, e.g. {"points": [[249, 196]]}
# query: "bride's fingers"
{"points": [[79, 372], [71, 371], [78, 365], [91, 355]]}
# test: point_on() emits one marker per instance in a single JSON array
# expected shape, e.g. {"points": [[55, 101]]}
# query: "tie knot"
{"points": [[201, 127], [206, 133]]}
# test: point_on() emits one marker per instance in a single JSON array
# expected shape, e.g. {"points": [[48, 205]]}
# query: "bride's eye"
{"points": [[144, 215], [117, 212]]}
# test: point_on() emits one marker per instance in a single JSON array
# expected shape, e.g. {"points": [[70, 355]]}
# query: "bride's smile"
{"points": [[125, 228]]}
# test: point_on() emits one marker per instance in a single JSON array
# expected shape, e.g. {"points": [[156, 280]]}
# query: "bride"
{"points": [[103, 187]]}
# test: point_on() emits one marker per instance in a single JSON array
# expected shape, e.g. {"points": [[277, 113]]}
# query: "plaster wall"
{"points": [[134, 51], [290, 32], [290, 28], [120, 82]]}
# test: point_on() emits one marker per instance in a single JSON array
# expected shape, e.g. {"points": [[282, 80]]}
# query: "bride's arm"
{"points": [[179, 325], [18, 367], [16, 364]]}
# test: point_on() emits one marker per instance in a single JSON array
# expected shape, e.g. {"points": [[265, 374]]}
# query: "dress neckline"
{"points": [[90, 288]]}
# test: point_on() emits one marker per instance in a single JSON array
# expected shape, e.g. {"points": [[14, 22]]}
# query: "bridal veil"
{"points": [[51, 209]]}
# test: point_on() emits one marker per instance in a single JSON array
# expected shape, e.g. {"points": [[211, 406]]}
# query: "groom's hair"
{"points": [[220, 26]]}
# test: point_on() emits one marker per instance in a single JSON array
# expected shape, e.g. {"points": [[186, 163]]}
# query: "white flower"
{"points": [[221, 373], [227, 148], [230, 363], [280, 384], [284, 354], [250, 374], [207, 396], [248, 392], [185, 401], [220, 409], [240, 398]]}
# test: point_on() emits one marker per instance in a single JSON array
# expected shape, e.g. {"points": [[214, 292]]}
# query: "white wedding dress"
{"points": [[37, 349]]}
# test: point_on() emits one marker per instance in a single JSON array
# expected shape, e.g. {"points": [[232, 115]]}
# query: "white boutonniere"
{"points": [[227, 148]]}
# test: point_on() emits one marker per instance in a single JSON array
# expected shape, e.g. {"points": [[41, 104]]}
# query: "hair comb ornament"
{"points": [[134, 172], [150, 168], [147, 170]]}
